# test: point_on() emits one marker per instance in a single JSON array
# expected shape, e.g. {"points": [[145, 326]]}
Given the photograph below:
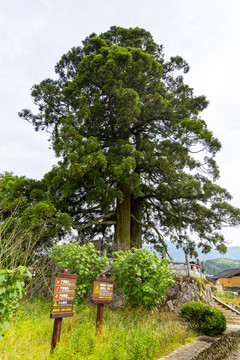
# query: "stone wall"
{"points": [[187, 289], [208, 348]]}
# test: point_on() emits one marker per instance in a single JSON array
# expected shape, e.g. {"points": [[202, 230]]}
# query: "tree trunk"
{"points": [[136, 228], [122, 228]]}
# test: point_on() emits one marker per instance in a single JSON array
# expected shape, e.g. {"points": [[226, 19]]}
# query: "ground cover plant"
{"points": [[126, 335]]}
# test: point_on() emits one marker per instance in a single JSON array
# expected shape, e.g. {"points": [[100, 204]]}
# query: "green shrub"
{"points": [[11, 291], [142, 277], [204, 318], [83, 261]]}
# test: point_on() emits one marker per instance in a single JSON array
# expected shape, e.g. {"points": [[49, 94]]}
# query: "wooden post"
{"points": [[64, 282], [57, 325], [99, 318], [56, 332], [100, 312], [188, 266], [199, 267], [102, 294]]}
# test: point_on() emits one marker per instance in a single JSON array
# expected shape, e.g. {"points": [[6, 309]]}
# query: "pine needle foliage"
{"points": [[136, 160]]}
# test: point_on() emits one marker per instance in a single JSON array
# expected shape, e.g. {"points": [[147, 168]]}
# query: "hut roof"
{"points": [[224, 274]]}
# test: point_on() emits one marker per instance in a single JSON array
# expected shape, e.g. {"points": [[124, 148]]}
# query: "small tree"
{"points": [[142, 277]]}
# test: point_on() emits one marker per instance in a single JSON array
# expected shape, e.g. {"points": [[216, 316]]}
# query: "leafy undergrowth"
{"points": [[126, 334]]}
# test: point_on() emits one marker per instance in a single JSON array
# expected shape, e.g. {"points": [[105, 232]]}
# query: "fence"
{"points": [[188, 268]]}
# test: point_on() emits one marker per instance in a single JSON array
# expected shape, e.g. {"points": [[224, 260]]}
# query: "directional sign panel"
{"points": [[63, 296]]}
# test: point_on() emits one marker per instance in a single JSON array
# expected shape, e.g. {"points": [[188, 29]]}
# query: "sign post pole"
{"points": [[62, 305], [99, 318], [56, 332], [102, 294]]}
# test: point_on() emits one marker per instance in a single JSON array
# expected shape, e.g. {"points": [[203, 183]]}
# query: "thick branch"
{"points": [[96, 221]]}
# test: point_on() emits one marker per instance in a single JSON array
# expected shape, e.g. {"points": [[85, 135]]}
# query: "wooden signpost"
{"points": [[102, 294], [62, 304]]}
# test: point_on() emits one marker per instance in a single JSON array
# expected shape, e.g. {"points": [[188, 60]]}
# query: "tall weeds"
{"points": [[126, 335]]}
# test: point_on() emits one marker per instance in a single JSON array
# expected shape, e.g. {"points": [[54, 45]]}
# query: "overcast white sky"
{"points": [[35, 34]]}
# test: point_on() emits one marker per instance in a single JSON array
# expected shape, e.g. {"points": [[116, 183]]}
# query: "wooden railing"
{"points": [[188, 269]]}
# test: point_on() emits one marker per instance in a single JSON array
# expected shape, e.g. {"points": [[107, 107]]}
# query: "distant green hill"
{"points": [[233, 253], [215, 266]]}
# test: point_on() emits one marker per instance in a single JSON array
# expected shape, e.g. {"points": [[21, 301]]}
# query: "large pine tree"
{"points": [[134, 154]]}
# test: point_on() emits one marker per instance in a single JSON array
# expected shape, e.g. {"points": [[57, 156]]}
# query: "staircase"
{"points": [[232, 315]]}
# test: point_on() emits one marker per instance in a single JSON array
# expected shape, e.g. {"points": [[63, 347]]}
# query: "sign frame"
{"points": [[62, 314], [59, 315], [102, 300]]}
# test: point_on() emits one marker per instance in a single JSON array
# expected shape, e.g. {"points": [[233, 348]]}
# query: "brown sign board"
{"points": [[102, 291], [63, 296]]}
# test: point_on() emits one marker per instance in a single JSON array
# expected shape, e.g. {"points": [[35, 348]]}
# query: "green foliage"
{"points": [[126, 129], [11, 291], [204, 318], [29, 221], [224, 294], [215, 266], [142, 277], [83, 261]]}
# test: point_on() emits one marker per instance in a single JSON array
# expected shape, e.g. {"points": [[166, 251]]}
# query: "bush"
{"points": [[204, 318], [142, 277], [83, 261], [11, 291]]}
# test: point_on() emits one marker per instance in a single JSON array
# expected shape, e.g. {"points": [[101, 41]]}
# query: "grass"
{"points": [[126, 334]]}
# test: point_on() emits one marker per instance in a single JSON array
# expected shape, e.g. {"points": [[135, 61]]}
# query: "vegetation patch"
{"points": [[11, 290], [83, 261], [142, 277], [126, 335], [216, 266], [204, 318]]}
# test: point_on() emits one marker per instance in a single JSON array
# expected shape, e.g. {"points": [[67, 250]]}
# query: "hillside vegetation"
{"points": [[215, 266]]}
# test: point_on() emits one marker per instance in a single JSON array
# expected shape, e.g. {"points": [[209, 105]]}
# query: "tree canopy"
{"points": [[136, 160], [29, 222]]}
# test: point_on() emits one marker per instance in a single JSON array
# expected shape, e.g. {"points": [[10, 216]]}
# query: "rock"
{"points": [[186, 290]]}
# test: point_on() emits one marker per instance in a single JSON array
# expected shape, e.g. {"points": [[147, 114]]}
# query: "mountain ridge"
{"points": [[233, 253]]}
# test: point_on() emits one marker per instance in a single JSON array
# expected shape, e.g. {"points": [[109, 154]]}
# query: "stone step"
{"points": [[233, 323], [223, 309], [231, 316], [228, 312]]}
